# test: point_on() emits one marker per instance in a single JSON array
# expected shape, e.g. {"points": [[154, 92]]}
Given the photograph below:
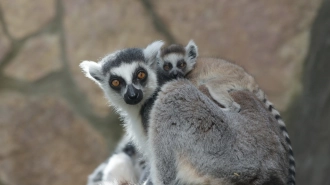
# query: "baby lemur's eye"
{"points": [[181, 64], [167, 66], [141, 75], [115, 83]]}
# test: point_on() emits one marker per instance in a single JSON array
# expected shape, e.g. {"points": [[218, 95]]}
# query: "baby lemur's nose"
{"points": [[175, 74]]}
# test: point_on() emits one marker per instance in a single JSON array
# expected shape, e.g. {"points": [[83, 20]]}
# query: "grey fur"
{"points": [[218, 147], [235, 150], [219, 77]]}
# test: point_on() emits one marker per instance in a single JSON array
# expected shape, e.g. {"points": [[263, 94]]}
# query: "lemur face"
{"points": [[174, 65], [127, 77], [132, 81], [176, 60]]}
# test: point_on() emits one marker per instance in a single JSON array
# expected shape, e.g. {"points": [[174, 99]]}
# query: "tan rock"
{"points": [[4, 44], [38, 57], [23, 17], [44, 142], [248, 32], [96, 28]]}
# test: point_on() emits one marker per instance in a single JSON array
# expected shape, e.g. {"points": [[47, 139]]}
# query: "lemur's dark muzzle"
{"points": [[176, 74], [133, 96]]}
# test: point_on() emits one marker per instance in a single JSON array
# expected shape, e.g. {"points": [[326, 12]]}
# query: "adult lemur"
{"points": [[192, 141], [217, 78]]}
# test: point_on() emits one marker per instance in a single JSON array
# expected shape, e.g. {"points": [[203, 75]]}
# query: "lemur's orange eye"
{"points": [[141, 75], [166, 67], [115, 83], [182, 64]]}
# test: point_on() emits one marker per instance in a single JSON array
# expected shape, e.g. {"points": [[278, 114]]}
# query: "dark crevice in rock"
{"points": [[7, 83], [1, 182], [110, 128], [17, 45], [11, 53], [158, 22], [309, 115], [59, 21], [4, 25]]}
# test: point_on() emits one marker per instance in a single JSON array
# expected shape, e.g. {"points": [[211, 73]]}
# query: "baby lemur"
{"points": [[217, 78]]}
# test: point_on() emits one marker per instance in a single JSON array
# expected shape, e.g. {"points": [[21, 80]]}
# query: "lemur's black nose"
{"points": [[175, 74], [133, 96], [131, 92]]}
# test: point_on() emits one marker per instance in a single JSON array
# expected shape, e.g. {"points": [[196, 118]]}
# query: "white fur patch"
{"points": [[173, 58], [92, 70], [152, 49], [126, 71], [120, 168]]}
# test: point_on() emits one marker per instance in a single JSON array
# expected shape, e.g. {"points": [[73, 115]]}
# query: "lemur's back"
{"points": [[217, 77], [208, 69]]}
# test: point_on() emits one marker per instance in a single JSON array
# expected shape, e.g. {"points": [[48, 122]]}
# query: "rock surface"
{"points": [[43, 141], [55, 124], [24, 18], [38, 57], [309, 114], [4, 44], [253, 34]]}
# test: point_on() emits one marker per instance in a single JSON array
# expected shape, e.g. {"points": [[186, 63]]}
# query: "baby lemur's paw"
{"points": [[236, 107]]}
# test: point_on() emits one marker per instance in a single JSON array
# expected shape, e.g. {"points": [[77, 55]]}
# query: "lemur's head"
{"points": [[126, 76], [176, 60]]}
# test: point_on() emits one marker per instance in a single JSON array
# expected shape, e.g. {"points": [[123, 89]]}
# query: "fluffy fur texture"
{"points": [[220, 77], [242, 147], [214, 146], [217, 78]]}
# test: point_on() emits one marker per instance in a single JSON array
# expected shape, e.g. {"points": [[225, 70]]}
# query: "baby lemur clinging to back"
{"points": [[175, 61], [217, 78], [180, 120]]}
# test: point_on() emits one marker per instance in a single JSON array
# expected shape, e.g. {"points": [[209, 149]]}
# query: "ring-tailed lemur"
{"points": [[218, 77], [128, 59], [193, 142], [129, 80]]}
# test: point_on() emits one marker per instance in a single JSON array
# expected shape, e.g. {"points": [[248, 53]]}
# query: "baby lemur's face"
{"points": [[174, 65], [176, 60]]}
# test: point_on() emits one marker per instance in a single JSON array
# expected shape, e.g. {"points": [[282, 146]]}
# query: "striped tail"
{"points": [[276, 114]]}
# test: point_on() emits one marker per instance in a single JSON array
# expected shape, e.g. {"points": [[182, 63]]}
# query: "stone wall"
{"points": [[55, 124]]}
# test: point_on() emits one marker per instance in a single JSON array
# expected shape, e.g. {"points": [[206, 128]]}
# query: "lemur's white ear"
{"points": [[151, 51], [191, 51], [92, 70]]}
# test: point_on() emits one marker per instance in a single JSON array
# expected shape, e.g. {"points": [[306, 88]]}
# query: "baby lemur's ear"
{"points": [[191, 51], [151, 52], [93, 71]]}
